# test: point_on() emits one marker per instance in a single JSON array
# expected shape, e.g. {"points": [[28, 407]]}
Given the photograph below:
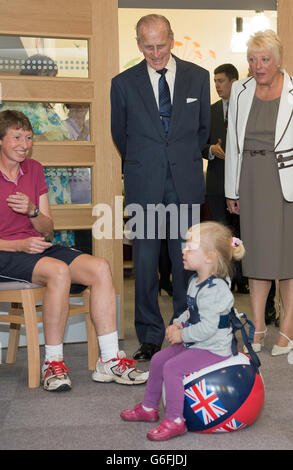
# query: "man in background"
{"points": [[224, 76]]}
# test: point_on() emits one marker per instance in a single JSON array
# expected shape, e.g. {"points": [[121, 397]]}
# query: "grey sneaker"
{"points": [[55, 376], [120, 370]]}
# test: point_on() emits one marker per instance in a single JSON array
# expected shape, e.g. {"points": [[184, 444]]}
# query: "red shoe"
{"points": [[138, 413], [166, 430]]}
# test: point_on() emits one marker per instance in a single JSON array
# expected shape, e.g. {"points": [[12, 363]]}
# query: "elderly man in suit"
{"points": [[160, 123]]}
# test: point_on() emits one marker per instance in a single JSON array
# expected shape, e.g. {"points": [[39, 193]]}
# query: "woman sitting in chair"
{"points": [[26, 255]]}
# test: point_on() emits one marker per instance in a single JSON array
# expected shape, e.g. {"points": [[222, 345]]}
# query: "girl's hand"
{"points": [[173, 333]]}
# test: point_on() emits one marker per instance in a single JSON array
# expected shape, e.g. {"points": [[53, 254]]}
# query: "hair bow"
{"points": [[236, 241]]}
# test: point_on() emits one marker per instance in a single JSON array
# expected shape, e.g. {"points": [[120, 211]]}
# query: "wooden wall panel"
{"points": [[64, 153], [74, 215], [285, 31], [105, 38], [47, 89], [47, 18]]}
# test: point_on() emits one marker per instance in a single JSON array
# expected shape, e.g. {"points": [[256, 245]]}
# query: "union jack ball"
{"points": [[224, 397]]}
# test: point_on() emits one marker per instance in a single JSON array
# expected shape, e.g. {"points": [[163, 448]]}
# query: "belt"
{"points": [[253, 153]]}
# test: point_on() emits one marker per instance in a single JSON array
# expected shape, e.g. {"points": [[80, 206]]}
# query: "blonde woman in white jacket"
{"points": [[259, 179]]}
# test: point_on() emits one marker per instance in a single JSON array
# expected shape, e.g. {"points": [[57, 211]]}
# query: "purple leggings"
{"points": [[169, 366]]}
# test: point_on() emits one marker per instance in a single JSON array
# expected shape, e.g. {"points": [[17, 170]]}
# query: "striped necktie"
{"points": [[165, 106]]}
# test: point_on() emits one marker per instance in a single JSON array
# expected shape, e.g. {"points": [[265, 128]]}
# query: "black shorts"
{"points": [[19, 266]]}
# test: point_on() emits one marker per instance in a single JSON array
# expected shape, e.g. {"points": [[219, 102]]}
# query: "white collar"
{"points": [[171, 66]]}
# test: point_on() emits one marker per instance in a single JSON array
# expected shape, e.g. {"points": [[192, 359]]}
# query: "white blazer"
{"points": [[240, 102]]}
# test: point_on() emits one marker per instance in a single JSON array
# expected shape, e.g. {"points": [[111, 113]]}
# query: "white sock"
{"points": [[52, 351], [147, 409], [178, 420], [108, 346]]}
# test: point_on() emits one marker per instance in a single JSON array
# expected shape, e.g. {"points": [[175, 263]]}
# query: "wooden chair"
{"points": [[23, 297]]}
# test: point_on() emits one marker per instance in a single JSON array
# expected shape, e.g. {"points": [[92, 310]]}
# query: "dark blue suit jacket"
{"points": [[139, 136], [215, 171]]}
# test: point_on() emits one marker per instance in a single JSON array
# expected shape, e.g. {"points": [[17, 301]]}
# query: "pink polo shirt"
{"points": [[31, 181]]}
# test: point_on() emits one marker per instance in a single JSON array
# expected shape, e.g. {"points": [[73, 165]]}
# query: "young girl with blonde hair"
{"points": [[201, 335]]}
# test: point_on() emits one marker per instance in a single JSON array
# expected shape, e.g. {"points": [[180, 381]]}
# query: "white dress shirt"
{"points": [[170, 77]]}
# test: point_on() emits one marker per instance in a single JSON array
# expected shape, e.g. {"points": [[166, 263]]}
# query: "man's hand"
{"points": [[217, 150], [233, 206]]}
